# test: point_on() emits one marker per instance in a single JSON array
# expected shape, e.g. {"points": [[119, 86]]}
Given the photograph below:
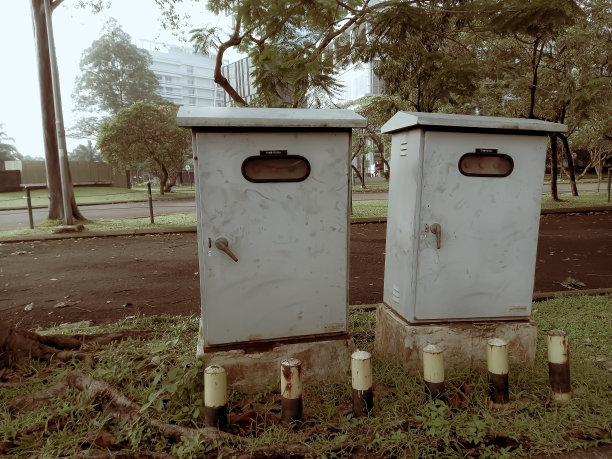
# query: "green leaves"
{"points": [[145, 135], [114, 74]]}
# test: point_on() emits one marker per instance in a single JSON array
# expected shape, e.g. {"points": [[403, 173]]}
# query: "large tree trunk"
{"points": [[54, 185], [570, 164], [52, 166], [553, 168]]}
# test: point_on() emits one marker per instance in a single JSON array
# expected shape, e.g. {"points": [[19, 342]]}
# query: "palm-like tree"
{"points": [[87, 152], [8, 151]]}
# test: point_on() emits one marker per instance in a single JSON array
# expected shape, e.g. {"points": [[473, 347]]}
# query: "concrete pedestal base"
{"points": [[463, 344], [253, 367]]}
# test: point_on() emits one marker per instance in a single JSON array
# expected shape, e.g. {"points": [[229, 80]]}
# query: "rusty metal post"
{"points": [[291, 390], [558, 365], [433, 370], [29, 202], [497, 364], [215, 397], [361, 376], [150, 202]]}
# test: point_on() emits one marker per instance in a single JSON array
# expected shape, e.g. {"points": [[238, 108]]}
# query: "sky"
{"points": [[74, 30]]}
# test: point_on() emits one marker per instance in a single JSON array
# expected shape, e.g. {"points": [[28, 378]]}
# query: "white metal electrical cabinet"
{"points": [[463, 218], [272, 189]]}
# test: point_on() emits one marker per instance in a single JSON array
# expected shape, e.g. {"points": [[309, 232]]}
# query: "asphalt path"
{"points": [[18, 218]]}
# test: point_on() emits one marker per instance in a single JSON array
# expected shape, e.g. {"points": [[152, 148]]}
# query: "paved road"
{"points": [[16, 219]]}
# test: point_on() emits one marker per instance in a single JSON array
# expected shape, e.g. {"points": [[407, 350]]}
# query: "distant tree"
{"points": [[87, 153], [145, 135], [529, 64], [114, 75], [376, 110], [8, 151]]}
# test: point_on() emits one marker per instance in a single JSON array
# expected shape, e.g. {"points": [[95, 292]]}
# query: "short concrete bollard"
{"points": [[497, 363], [291, 390], [558, 365], [361, 376], [215, 397], [433, 370]]}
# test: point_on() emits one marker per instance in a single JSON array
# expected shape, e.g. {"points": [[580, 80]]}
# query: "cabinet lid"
{"points": [[403, 121], [228, 117]]}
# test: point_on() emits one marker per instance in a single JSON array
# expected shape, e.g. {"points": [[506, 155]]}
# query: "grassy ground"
{"points": [[91, 195], [98, 226], [162, 374], [586, 199], [375, 185], [361, 209]]}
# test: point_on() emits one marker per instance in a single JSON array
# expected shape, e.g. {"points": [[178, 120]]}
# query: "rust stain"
{"points": [[287, 374]]}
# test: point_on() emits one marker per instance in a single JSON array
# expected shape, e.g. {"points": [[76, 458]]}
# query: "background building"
{"points": [[239, 76], [185, 78]]}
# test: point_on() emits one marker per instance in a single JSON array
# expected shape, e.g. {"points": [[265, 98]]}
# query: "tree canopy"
{"points": [[8, 151], [114, 74], [146, 135], [84, 152]]}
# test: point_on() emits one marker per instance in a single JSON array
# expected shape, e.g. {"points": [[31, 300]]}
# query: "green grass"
{"points": [[370, 209], [162, 222], [162, 374], [585, 199], [376, 185], [90, 195]]}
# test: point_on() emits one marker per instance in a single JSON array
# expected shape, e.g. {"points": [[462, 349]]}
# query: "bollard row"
{"points": [[215, 380]]}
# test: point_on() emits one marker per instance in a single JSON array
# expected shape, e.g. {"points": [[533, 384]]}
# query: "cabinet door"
{"points": [[285, 221], [478, 233]]}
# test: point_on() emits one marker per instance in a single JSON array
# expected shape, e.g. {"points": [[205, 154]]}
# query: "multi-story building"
{"points": [[359, 80], [185, 78], [238, 74]]}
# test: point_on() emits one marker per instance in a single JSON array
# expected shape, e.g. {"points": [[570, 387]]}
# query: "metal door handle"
{"points": [[437, 230], [222, 244]]}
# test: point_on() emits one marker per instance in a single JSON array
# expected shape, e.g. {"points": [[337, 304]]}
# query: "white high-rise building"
{"points": [[185, 78]]}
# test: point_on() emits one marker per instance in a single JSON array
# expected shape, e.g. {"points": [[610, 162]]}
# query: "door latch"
{"points": [[437, 230], [222, 244]]}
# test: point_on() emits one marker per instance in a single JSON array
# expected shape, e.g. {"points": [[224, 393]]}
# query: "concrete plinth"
{"points": [[463, 344], [252, 367]]}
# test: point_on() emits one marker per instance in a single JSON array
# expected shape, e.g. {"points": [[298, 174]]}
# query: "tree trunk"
{"points": [[359, 176], [234, 40], [363, 171], [570, 164], [553, 168], [52, 159], [54, 185]]}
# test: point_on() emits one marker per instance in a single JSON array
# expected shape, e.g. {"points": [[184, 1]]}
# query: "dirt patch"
{"points": [[105, 279]]}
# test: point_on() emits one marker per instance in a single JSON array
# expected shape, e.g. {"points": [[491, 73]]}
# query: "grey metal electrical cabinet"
{"points": [[272, 190], [463, 217]]}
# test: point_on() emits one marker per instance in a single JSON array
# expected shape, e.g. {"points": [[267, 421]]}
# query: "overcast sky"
{"points": [[74, 31]]}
